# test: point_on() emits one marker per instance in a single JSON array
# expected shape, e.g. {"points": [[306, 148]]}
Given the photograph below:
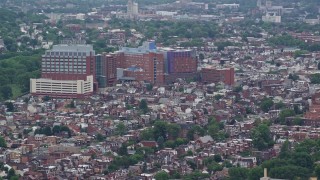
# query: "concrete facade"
{"points": [[67, 70]]}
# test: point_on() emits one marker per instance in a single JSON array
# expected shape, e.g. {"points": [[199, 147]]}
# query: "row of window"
{"points": [[62, 86], [69, 85], [55, 82], [64, 66], [48, 53], [53, 88], [67, 60], [65, 63], [65, 70], [53, 91]]}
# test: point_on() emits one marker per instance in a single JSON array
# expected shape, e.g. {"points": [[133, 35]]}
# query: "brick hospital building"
{"points": [[66, 71]]}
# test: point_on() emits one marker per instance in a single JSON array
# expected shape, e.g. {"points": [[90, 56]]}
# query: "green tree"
{"points": [[285, 150], [299, 53], [297, 109], [266, 104], [112, 168], [160, 142], [121, 129], [47, 131], [213, 167], [173, 130], [180, 141], [279, 105], [147, 134], [302, 159], [66, 129], [6, 92], [237, 89], [238, 173], [290, 172], [222, 45], [100, 137], [145, 151], [144, 167], [3, 142], [56, 129], [295, 163], [218, 97], [317, 170], [294, 77], [170, 144], [149, 87], [315, 78], [162, 175], [284, 114], [261, 137], [123, 151], [217, 158], [175, 175], [201, 56], [134, 159], [192, 164], [195, 130], [285, 40], [196, 175], [309, 146], [214, 129], [72, 104], [143, 106], [46, 98], [10, 106], [298, 121], [11, 173], [255, 173], [160, 130], [189, 153]]}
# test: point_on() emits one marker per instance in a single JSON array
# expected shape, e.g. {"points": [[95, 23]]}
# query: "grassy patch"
{"points": [[16, 90]]}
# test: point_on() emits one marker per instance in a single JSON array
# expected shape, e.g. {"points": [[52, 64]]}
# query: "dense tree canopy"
{"points": [[315, 78], [284, 114], [51, 131], [120, 129], [292, 163], [143, 106], [15, 74], [3, 142], [266, 104], [261, 137], [289, 41], [162, 175]]}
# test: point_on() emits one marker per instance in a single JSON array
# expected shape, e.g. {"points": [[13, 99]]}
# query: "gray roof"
{"points": [[73, 48], [206, 139]]}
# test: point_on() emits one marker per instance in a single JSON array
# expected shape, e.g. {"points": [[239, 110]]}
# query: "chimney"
{"points": [[265, 172]]}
